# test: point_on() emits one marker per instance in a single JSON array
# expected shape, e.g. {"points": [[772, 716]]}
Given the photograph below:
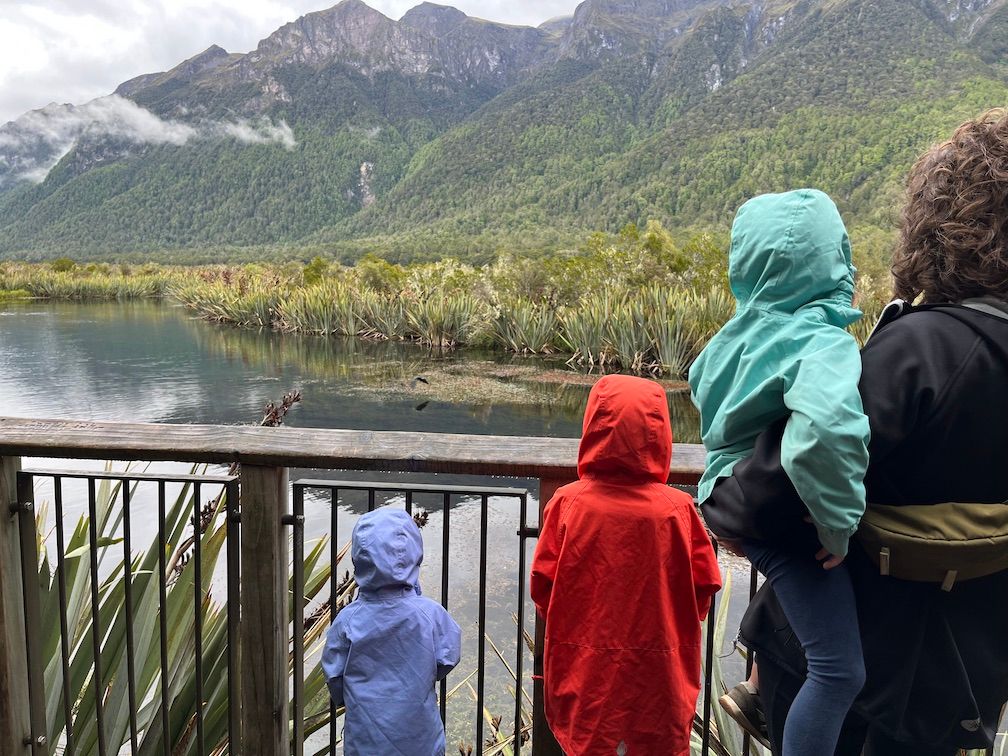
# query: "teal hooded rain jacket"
{"points": [[786, 352]]}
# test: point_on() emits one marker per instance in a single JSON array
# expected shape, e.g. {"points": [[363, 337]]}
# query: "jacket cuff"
{"points": [[835, 541]]}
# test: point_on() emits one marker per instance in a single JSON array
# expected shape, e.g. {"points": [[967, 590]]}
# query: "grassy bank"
{"points": [[637, 301], [64, 279]]}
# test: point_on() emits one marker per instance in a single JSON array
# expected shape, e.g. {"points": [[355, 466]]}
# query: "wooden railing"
{"points": [[265, 455]]}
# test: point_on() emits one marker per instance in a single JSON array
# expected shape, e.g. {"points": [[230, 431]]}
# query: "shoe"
{"points": [[742, 704]]}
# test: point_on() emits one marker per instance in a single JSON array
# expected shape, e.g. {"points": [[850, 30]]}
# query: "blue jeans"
{"points": [[820, 606]]}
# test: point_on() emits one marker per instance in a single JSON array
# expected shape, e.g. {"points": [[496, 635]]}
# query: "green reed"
{"points": [[525, 327], [96, 282], [656, 330], [597, 321]]}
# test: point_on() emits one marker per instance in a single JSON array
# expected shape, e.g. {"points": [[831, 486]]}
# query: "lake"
{"points": [[153, 362]]}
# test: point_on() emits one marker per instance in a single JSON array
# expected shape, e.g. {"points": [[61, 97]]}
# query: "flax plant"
{"points": [[253, 307], [112, 618], [583, 332], [329, 308], [862, 329], [443, 322], [97, 286], [384, 316], [525, 327]]}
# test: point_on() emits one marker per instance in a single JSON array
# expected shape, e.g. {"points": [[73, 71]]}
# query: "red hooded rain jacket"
{"points": [[623, 573]]}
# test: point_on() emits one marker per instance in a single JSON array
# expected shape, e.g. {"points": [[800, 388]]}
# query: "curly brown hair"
{"points": [[954, 233]]}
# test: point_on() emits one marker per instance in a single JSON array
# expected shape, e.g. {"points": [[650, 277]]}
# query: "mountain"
{"points": [[347, 131]]}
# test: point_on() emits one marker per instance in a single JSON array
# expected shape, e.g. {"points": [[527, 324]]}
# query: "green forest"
{"points": [[837, 94]]}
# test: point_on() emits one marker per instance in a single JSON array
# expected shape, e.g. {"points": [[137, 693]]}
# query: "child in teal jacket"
{"points": [[785, 354]]}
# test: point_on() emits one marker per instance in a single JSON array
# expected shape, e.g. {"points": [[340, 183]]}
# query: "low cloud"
{"points": [[258, 132], [37, 141]]}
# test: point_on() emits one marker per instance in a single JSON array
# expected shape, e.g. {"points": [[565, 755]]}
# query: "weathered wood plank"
{"points": [[264, 635], [527, 457], [14, 710]]}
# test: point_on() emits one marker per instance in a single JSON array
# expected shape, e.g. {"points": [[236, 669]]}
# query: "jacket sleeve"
{"points": [[706, 573], [824, 449], [448, 640], [547, 553], [334, 659]]}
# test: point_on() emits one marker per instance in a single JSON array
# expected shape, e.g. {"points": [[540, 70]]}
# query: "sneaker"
{"points": [[742, 704]]}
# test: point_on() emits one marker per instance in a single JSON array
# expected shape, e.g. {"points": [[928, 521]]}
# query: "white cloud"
{"points": [[77, 50], [257, 132], [57, 128]]}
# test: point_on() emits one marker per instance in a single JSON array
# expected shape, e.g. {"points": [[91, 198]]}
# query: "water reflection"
{"points": [[152, 362]]}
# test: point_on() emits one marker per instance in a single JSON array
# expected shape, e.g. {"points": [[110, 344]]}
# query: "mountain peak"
{"points": [[556, 25], [214, 51], [433, 19], [187, 70], [348, 9], [351, 6], [614, 28]]}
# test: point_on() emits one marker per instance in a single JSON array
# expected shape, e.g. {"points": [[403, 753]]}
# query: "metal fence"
{"points": [[56, 693], [155, 705], [408, 495], [87, 670]]}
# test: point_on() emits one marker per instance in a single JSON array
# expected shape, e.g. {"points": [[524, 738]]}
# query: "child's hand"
{"points": [[831, 560]]}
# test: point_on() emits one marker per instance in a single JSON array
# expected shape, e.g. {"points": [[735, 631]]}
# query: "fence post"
{"points": [[15, 723], [264, 628], [543, 742]]}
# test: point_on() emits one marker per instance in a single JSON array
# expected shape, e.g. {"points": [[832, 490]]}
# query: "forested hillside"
{"points": [[346, 132]]}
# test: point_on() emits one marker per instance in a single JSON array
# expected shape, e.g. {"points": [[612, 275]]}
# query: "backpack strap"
{"points": [[990, 305], [900, 307], [890, 312]]}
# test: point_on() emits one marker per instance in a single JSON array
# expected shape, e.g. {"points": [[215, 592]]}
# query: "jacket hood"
{"points": [[626, 430], [791, 251], [386, 550]]}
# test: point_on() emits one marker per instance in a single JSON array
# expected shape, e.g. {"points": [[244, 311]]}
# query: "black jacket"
{"points": [[935, 389]]}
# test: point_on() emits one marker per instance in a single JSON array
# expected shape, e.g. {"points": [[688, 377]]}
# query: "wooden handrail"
{"points": [[514, 456], [266, 454]]}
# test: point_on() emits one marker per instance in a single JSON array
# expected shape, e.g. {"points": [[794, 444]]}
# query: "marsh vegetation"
{"points": [[638, 301]]}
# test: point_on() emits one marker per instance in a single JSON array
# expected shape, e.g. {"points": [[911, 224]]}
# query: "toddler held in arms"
{"points": [[387, 649], [623, 574], [785, 357]]}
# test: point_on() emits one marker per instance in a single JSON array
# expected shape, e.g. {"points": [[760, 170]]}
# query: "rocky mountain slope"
{"points": [[347, 131]]}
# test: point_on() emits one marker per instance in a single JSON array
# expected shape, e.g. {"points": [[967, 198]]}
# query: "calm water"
{"points": [[149, 362]]}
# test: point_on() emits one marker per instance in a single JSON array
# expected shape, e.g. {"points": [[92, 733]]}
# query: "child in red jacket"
{"points": [[623, 574]]}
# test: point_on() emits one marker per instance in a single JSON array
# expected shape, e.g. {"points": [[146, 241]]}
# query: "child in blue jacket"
{"points": [[386, 650]]}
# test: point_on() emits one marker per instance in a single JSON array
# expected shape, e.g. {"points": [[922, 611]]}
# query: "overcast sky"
{"points": [[76, 50]]}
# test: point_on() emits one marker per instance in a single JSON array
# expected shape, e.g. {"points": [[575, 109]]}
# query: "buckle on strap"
{"points": [[884, 560], [949, 581]]}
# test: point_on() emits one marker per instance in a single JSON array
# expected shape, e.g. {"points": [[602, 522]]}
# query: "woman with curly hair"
{"points": [[934, 386]]}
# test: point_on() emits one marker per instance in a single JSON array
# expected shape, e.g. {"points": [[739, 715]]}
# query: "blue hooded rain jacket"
{"points": [[785, 353], [386, 650]]}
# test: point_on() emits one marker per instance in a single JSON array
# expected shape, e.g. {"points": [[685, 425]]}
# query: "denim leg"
{"points": [[820, 606]]}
